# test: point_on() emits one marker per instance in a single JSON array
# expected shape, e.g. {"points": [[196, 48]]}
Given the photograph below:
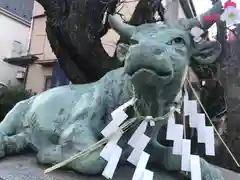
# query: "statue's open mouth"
{"points": [[152, 70]]}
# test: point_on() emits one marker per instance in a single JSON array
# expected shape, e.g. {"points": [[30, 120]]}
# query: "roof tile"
{"points": [[22, 8]]}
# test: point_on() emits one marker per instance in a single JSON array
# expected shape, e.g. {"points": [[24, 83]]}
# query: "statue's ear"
{"points": [[122, 50], [206, 52]]}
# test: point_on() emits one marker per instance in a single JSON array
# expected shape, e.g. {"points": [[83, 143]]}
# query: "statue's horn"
{"points": [[207, 19], [121, 28]]}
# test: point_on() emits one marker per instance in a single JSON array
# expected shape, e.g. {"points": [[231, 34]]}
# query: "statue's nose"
{"points": [[158, 51], [157, 58]]}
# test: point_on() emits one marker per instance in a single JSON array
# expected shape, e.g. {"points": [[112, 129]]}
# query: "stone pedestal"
{"points": [[25, 167]]}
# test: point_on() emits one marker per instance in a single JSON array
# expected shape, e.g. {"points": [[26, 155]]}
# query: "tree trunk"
{"points": [[73, 29]]}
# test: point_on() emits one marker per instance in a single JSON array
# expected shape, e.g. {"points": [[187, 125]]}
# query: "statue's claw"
{"points": [[12, 144]]}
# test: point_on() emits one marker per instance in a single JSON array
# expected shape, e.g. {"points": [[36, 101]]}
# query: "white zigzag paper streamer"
{"points": [[175, 133], [138, 132], [191, 107], [138, 157], [141, 173], [112, 152], [177, 142], [186, 155], [209, 141], [113, 160], [170, 135], [107, 150], [118, 116], [139, 141], [201, 124], [138, 149], [195, 168], [205, 134], [148, 175]]}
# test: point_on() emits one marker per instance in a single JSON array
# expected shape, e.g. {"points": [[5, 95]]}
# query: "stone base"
{"points": [[25, 167]]}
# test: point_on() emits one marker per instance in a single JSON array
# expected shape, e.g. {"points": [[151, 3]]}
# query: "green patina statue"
{"points": [[65, 120]]}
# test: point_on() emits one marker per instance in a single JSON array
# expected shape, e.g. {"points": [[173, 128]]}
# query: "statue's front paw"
{"points": [[37, 143], [50, 155]]}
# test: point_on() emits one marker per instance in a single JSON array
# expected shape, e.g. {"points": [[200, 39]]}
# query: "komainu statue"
{"points": [[65, 120]]}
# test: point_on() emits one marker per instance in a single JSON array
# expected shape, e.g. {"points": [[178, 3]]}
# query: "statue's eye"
{"points": [[177, 40]]}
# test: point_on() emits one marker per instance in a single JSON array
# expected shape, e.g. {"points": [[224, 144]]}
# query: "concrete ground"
{"points": [[25, 167]]}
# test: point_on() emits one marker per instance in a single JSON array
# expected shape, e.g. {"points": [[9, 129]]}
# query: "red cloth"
{"points": [[230, 3]]}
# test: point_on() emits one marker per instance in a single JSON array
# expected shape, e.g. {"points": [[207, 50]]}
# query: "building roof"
{"points": [[21, 8]]}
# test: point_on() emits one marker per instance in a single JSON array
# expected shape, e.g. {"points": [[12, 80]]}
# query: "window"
{"points": [[48, 83], [16, 49], [58, 76]]}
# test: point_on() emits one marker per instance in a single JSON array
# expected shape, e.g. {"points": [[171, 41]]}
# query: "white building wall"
{"points": [[11, 30], [181, 13], [173, 10]]}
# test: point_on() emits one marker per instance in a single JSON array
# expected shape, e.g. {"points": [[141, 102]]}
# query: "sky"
{"points": [[203, 5]]}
